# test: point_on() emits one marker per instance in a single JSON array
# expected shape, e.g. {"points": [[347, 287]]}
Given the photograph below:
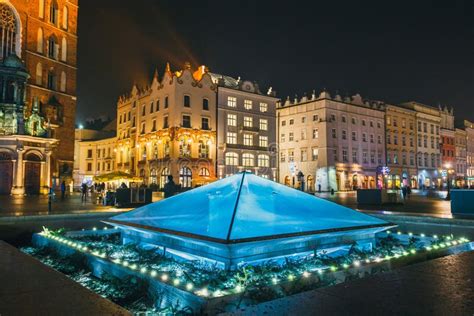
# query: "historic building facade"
{"points": [[401, 135], [428, 124], [94, 154], [469, 128], [331, 142], [169, 128], [43, 34], [460, 165], [246, 131]]}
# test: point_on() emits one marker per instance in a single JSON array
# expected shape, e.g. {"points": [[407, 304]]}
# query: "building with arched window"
{"points": [[169, 128], [49, 57]]}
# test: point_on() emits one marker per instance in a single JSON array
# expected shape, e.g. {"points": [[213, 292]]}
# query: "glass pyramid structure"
{"points": [[243, 218]]}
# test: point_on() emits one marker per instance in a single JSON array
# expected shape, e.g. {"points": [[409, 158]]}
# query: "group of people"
{"points": [[97, 187]]}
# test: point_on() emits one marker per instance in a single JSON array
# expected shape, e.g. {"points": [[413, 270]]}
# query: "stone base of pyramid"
{"points": [[232, 255]]}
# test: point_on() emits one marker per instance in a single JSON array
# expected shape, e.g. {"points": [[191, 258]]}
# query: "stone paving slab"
{"points": [[443, 286], [28, 287]]}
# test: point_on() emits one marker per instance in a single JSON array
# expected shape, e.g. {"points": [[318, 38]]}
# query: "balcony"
{"points": [[253, 129], [240, 146]]}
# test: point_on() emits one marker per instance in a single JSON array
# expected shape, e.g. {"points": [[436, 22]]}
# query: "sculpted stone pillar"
{"points": [[18, 187]]}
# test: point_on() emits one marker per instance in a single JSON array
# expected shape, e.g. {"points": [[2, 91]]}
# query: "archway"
{"points": [[164, 177], [287, 181], [6, 170], [310, 183], [32, 174]]}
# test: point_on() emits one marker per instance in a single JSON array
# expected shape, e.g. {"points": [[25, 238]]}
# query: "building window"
{"points": [[231, 138], [65, 17], [204, 172], [315, 118], [187, 101], [363, 122], [203, 149], [334, 133], [231, 120], [186, 121], [143, 128], [41, 9], [143, 110], [166, 102], [62, 86], [231, 159], [291, 155], [51, 81], [152, 106], [39, 41], [303, 119], [314, 154], [165, 121], [292, 121], [185, 147], [355, 155], [64, 50], [39, 74], [379, 139], [303, 134], [263, 141], [54, 13], [395, 139], [89, 153], [372, 138], [354, 136], [365, 157], [343, 119], [205, 104], [364, 137], [205, 123], [344, 134], [344, 155], [263, 124], [248, 160], [248, 104], [153, 128], [263, 107], [354, 121], [315, 133], [157, 105], [231, 102], [248, 140], [263, 161], [89, 166], [185, 177], [52, 48], [248, 121], [291, 137], [282, 157], [282, 138], [283, 123]]}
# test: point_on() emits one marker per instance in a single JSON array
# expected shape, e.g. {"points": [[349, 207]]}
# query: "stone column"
{"points": [[46, 172], [18, 188]]}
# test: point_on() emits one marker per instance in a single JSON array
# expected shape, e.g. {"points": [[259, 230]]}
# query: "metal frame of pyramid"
{"points": [[245, 218]]}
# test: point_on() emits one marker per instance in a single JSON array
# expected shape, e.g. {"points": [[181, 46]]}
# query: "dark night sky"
{"points": [[388, 50]]}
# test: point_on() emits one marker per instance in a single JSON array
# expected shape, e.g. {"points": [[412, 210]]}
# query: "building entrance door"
{"points": [[32, 177], [6, 180]]}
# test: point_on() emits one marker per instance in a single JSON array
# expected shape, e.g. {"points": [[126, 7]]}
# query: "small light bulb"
{"points": [[143, 270], [153, 273], [306, 274], [238, 288], [164, 277], [189, 286], [95, 228], [357, 263], [176, 281]]}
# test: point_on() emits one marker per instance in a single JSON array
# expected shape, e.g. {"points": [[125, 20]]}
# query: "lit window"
{"points": [[232, 159], [248, 139], [232, 102], [315, 154], [315, 133], [205, 123], [231, 138], [231, 120], [263, 141], [263, 124], [248, 121], [248, 104], [263, 107], [263, 161], [248, 160], [291, 137]]}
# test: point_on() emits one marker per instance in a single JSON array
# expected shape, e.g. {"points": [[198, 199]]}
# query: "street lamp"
{"points": [[448, 194]]}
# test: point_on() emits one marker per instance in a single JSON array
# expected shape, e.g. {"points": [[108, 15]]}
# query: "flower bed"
{"points": [[164, 282]]}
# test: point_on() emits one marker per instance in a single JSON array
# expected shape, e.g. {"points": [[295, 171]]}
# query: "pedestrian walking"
{"points": [[63, 190], [319, 187], [170, 187], [84, 192], [404, 192]]}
